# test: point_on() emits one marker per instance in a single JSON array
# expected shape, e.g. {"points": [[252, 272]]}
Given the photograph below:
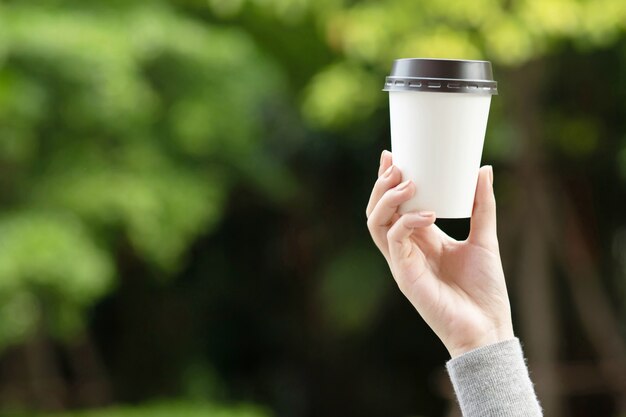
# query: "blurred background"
{"points": [[182, 196]]}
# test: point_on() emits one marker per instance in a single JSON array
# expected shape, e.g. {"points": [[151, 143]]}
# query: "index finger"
{"points": [[385, 162], [383, 184]]}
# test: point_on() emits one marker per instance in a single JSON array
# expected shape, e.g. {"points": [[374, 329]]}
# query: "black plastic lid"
{"points": [[441, 75]]}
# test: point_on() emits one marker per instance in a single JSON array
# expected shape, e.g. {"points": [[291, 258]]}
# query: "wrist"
{"points": [[480, 339]]}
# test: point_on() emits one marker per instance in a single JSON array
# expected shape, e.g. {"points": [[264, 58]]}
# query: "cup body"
{"points": [[437, 142], [438, 111]]}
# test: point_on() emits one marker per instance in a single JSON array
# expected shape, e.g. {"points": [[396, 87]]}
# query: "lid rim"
{"points": [[441, 75], [443, 59], [462, 80]]}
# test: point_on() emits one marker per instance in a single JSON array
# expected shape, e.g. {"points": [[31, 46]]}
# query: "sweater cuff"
{"points": [[493, 381]]}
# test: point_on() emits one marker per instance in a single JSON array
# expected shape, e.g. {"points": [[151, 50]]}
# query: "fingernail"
{"points": [[426, 213], [403, 185], [382, 156], [491, 174], [387, 173]]}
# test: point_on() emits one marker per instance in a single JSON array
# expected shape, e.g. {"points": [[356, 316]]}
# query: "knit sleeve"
{"points": [[493, 381]]}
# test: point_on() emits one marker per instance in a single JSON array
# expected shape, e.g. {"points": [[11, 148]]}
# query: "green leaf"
{"points": [[51, 271]]}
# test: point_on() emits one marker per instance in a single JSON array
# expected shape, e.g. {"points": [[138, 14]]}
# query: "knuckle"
{"points": [[384, 199], [391, 198], [390, 233], [380, 183], [370, 223], [393, 232]]}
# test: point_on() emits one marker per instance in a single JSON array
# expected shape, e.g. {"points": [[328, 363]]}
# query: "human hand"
{"points": [[457, 287]]}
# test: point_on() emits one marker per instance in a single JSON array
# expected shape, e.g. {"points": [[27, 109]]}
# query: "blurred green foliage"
{"points": [[50, 270], [168, 410], [368, 35], [351, 290], [121, 125]]}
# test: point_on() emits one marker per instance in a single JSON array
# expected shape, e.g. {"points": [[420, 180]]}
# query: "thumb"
{"points": [[483, 224]]}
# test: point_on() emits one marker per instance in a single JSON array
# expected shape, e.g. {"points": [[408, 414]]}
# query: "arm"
{"points": [[458, 287], [493, 381]]}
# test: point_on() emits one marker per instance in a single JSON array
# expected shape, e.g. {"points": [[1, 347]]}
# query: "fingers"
{"points": [[388, 179], [385, 162], [400, 245], [385, 212], [483, 230]]}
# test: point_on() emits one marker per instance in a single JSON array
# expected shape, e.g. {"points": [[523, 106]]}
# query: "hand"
{"points": [[457, 287]]}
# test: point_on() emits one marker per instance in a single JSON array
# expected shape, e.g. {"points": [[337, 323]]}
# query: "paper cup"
{"points": [[438, 112]]}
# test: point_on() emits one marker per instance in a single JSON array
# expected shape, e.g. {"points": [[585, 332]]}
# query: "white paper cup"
{"points": [[438, 113]]}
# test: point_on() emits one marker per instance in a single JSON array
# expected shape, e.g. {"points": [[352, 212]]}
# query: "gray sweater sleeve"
{"points": [[493, 381]]}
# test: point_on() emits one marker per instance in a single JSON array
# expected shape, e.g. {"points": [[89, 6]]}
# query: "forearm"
{"points": [[493, 381]]}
